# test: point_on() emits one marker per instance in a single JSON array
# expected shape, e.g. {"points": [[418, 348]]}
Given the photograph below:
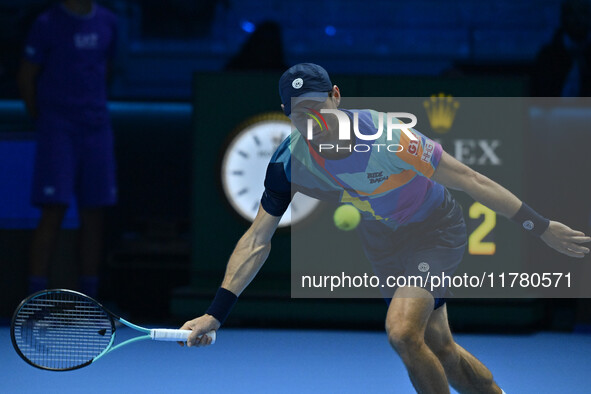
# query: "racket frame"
{"points": [[112, 317]]}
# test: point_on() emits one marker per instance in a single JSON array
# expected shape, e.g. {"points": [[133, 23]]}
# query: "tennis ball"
{"points": [[346, 217]]}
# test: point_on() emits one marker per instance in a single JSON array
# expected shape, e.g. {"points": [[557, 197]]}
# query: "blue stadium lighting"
{"points": [[330, 30], [247, 26]]}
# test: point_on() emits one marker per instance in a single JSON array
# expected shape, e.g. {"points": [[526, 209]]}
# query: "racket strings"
{"points": [[62, 330]]}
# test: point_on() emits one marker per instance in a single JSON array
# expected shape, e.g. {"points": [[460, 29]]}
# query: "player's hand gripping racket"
{"points": [[61, 330]]}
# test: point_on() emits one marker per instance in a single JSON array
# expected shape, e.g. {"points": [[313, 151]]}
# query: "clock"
{"points": [[244, 165]]}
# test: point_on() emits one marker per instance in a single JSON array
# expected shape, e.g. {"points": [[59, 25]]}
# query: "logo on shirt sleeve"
{"points": [[428, 150], [413, 147]]}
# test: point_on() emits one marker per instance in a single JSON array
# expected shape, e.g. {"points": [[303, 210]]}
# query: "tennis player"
{"points": [[408, 218]]}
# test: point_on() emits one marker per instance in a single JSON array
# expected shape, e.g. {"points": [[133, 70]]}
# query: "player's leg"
{"points": [[90, 248], [464, 371], [96, 191], [52, 191], [406, 322], [43, 245]]}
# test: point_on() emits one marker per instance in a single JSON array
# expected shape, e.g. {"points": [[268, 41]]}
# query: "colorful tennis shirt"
{"points": [[391, 186]]}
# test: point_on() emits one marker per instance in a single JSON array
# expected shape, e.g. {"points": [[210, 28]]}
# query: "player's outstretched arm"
{"points": [[456, 175], [247, 259]]}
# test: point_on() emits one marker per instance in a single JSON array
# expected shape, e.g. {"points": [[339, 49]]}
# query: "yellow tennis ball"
{"points": [[346, 217]]}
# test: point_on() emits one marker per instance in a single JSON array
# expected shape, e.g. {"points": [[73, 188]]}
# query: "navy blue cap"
{"points": [[303, 80]]}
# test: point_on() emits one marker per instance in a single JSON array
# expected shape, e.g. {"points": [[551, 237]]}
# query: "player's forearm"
{"points": [[246, 260], [456, 175], [491, 194]]}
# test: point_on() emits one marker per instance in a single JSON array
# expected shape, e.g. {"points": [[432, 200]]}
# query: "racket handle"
{"points": [[169, 334]]}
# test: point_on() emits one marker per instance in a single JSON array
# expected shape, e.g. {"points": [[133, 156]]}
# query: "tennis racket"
{"points": [[62, 330]]}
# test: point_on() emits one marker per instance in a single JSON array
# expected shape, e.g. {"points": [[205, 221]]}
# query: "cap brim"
{"points": [[310, 96]]}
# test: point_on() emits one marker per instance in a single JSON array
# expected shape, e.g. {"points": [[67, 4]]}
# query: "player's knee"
{"points": [[403, 338], [446, 352]]}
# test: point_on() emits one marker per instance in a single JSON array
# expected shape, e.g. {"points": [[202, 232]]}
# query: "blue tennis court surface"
{"points": [[290, 361]]}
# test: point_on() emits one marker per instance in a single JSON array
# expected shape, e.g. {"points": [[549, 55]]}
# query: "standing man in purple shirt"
{"points": [[63, 83]]}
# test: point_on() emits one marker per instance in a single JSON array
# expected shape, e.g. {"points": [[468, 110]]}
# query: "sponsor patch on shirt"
{"points": [[428, 150], [413, 147]]}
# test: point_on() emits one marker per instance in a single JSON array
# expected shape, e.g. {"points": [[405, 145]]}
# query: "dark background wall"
{"points": [[161, 44]]}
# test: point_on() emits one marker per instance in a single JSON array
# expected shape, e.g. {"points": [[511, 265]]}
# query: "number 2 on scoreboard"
{"points": [[475, 243]]}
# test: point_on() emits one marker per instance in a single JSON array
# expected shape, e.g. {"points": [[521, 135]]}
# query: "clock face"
{"points": [[244, 165]]}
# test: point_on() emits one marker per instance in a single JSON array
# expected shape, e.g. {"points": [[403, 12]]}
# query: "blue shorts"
{"points": [[424, 249], [73, 158]]}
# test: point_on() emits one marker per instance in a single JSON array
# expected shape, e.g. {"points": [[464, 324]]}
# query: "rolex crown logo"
{"points": [[441, 110]]}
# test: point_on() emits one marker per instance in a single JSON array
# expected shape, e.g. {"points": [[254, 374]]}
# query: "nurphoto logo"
{"points": [[391, 119]]}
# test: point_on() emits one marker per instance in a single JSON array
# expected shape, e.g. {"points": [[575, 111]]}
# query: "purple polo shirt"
{"points": [[73, 51]]}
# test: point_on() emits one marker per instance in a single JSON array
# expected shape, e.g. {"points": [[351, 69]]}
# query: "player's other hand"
{"points": [[566, 240], [200, 326]]}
